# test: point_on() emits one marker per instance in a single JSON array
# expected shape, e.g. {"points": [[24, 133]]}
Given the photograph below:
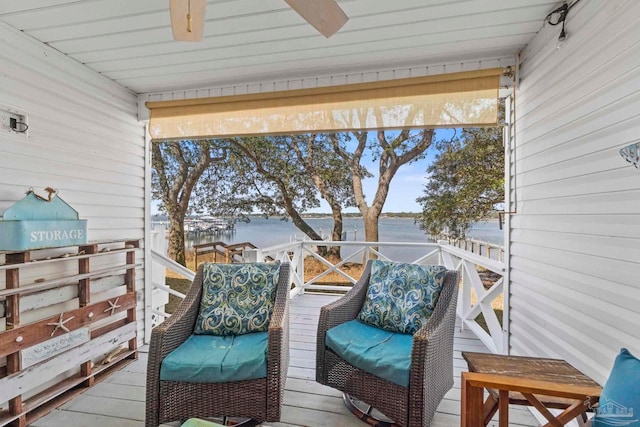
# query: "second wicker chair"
{"points": [[431, 353]]}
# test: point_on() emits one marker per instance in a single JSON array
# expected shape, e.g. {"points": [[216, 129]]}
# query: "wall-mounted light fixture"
{"points": [[13, 121], [559, 16], [631, 153]]}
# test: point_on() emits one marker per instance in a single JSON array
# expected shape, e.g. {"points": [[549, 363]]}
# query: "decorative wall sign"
{"points": [[631, 153], [41, 222], [24, 336], [35, 375], [37, 353]]}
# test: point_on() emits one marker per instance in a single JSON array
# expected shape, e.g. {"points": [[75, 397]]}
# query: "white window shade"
{"points": [[446, 100]]}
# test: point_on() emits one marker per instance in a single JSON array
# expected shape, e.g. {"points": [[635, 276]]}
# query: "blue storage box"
{"points": [[36, 222]]}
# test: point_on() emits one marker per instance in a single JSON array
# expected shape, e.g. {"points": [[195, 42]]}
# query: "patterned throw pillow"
{"points": [[237, 298], [401, 297]]}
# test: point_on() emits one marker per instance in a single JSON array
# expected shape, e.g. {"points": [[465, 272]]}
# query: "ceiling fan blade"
{"points": [[325, 16], [185, 29]]}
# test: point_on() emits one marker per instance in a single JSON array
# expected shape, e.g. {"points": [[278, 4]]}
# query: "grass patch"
{"points": [[180, 285], [483, 323], [314, 267]]}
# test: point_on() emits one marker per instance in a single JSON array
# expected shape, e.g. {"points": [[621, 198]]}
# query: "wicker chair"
{"points": [[259, 399], [431, 369]]}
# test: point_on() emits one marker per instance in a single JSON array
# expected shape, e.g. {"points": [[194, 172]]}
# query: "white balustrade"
{"points": [[474, 298]]}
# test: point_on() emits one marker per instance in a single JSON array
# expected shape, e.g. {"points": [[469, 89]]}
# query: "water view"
{"points": [[273, 231]]}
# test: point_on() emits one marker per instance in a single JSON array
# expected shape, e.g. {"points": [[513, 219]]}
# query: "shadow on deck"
{"points": [[119, 400]]}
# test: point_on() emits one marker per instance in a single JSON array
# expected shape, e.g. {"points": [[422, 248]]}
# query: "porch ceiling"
{"points": [[258, 40]]}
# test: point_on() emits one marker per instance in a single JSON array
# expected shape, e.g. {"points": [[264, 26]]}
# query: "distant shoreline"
{"points": [[350, 215], [399, 215]]}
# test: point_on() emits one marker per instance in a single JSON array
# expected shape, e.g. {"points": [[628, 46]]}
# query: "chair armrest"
{"points": [[168, 336], [347, 307], [281, 304], [431, 373], [165, 338], [278, 345], [338, 312]]}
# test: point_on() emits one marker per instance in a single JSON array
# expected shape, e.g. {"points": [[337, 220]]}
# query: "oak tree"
{"points": [[177, 167], [391, 150], [466, 182], [284, 175]]}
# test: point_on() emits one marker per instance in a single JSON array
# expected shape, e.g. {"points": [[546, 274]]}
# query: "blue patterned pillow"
{"points": [[237, 298], [401, 297]]}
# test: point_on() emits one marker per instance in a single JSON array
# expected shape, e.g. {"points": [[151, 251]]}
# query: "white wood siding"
{"points": [[575, 239], [84, 140]]}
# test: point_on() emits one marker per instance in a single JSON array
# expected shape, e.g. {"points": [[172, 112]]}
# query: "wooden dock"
{"points": [[119, 400]]}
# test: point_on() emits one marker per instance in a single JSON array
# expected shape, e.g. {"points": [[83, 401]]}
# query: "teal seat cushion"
{"points": [[401, 297], [237, 298], [620, 399], [216, 359], [382, 353]]}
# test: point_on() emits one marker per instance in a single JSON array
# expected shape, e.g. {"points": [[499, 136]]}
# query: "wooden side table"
{"points": [[542, 383]]}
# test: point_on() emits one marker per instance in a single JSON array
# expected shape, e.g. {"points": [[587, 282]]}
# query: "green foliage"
{"points": [[175, 177], [280, 176], [268, 177], [181, 170], [466, 181]]}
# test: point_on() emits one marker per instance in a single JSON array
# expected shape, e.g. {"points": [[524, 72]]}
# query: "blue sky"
{"points": [[407, 185]]}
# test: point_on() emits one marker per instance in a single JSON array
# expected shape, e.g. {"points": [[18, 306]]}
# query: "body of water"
{"points": [[270, 232]]}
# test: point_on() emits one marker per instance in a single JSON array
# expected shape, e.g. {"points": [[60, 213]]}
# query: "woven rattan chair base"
{"points": [[366, 412], [204, 400]]}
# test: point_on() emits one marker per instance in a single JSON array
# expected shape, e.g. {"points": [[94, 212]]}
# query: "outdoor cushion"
{"points": [[216, 359], [237, 298], [382, 353], [401, 297], [620, 398]]}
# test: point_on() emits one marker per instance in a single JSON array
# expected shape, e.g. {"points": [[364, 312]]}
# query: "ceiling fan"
{"points": [[187, 17]]}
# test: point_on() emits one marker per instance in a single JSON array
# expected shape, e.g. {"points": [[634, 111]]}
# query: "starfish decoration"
{"points": [[113, 306], [59, 324]]}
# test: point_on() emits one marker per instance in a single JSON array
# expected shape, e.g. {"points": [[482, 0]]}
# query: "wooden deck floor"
{"points": [[119, 400]]}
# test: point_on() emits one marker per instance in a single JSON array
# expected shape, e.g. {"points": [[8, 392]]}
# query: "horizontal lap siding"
{"points": [[84, 140], [575, 239]]}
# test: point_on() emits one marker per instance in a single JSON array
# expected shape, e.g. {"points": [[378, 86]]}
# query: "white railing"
{"points": [[474, 298], [352, 252], [172, 265], [476, 246], [158, 286]]}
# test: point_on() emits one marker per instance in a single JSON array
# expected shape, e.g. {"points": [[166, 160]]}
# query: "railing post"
{"points": [[253, 255], [300, 266], [157, 300], [440, 244]]}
